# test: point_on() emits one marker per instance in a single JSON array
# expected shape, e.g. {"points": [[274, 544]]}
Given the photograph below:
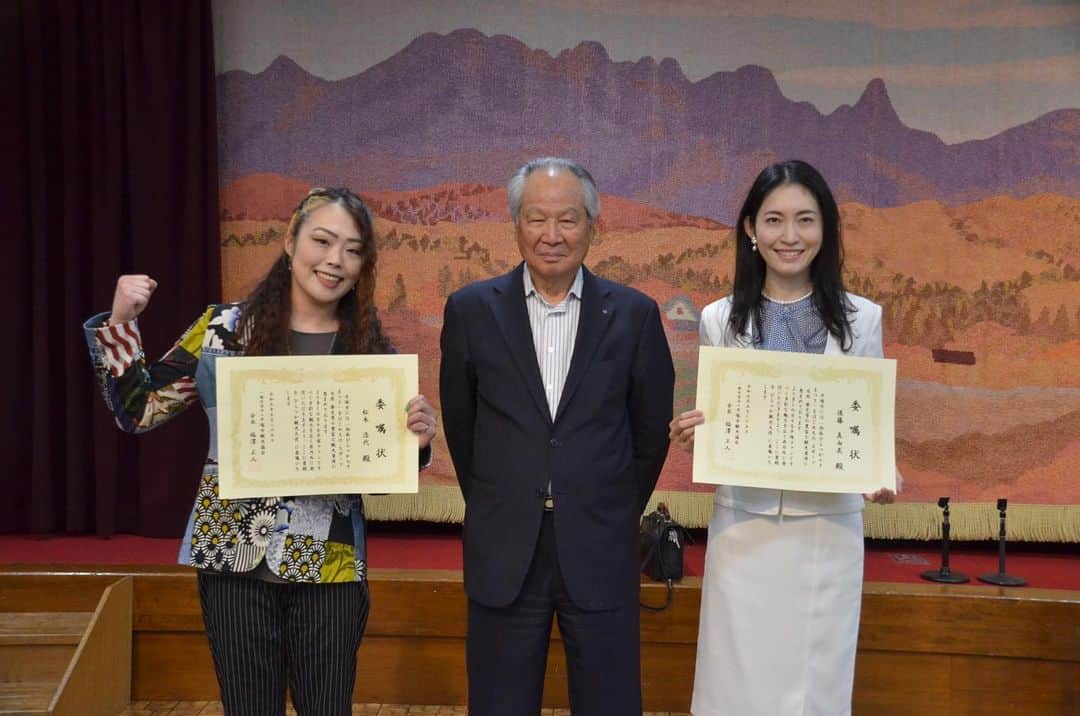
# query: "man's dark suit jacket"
{"points": [[602, 453]]}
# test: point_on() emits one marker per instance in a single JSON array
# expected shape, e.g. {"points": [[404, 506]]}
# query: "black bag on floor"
{"points": [[662, 543]]}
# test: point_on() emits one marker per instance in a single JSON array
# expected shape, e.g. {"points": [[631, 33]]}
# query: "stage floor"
{"points": [[214, 708], [434, 546]]}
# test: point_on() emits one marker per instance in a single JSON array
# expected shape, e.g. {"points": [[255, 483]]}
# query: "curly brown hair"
{"points": [[264, 325]]}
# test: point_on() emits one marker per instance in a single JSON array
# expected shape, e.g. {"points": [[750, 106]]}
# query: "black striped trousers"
{"points": [[265, 636]]}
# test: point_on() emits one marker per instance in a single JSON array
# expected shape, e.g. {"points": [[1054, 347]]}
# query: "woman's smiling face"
{"points": [[326, 257], [788, 229]]}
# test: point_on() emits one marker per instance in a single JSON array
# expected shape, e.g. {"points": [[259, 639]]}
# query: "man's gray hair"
{"points": [[516, 186]]}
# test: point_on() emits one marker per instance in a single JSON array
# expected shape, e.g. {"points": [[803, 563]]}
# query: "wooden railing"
{"points": [[65, 645]]}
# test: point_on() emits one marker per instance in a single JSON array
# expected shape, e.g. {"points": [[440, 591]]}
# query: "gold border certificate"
{"points": [[794, 421], [315, 425]]}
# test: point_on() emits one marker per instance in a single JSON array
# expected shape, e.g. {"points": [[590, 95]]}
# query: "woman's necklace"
{"points": [[789, 301]]}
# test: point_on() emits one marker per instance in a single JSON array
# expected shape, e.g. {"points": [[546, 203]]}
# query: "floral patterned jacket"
{"points": [[318, 538]]}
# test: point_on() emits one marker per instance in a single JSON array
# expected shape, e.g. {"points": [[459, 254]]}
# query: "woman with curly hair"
{"points": [[281, 580]]}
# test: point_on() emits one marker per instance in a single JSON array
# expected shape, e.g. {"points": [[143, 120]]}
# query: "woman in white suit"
{"points": [[783, 569]]}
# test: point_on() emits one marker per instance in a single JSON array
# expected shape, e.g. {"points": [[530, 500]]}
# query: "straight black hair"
{"points": [[826, 270]]}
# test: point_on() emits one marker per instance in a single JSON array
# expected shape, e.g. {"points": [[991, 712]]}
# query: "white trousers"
{"points": [[779, 615]]}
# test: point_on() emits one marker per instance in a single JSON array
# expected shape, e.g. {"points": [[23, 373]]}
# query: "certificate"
{"points": [[315, 425], [795, 421]]}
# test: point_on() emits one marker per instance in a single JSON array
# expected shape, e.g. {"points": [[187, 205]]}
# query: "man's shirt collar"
{"points": [[575, 287]]}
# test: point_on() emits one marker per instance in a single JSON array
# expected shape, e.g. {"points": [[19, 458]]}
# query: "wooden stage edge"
{"points": [[923, 648]]}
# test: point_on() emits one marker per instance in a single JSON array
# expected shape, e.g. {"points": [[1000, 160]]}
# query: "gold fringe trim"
{"points": [[973, 521], [434, 503], [689, 509], [903, 520]]}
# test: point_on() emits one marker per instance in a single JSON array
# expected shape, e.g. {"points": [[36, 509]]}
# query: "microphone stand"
{"points": [[944, 575], [1002, 579]]}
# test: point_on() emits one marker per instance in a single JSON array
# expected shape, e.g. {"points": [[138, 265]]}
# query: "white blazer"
{"points": [[865, 341]]}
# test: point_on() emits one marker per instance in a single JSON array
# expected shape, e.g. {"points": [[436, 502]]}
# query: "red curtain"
{"points": [[111, 168]]}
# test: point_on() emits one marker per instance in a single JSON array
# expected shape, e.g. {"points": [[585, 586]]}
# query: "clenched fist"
{"points": [[132, 296]]}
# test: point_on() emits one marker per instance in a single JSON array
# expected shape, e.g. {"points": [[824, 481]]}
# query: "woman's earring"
{"points": [[753, 243], [288, 262]]}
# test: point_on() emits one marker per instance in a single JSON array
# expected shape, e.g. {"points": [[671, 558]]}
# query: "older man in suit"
{"points": [[556, 390]]}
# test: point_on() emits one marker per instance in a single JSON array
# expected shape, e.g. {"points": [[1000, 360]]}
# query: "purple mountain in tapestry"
{"points": [[465, 107]]}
